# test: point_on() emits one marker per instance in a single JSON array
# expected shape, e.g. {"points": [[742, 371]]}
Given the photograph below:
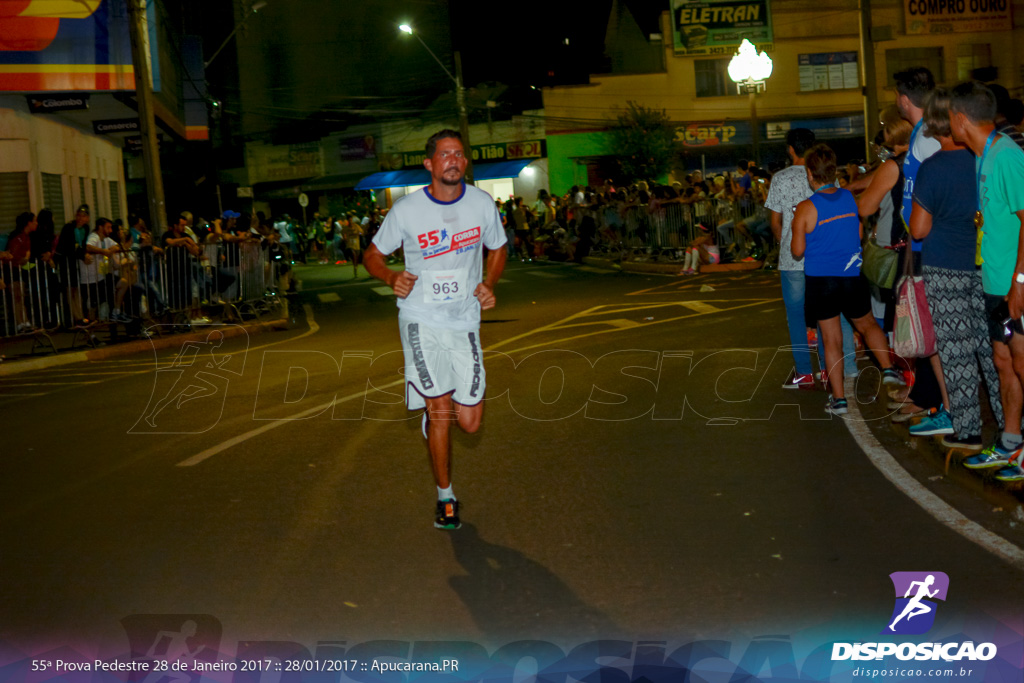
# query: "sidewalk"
{"points": [[23, 359]]}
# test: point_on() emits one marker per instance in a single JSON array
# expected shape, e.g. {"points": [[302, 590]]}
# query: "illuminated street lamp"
{"points": [[460, 98], [749, 70]]}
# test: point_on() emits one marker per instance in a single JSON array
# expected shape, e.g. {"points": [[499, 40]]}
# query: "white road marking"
{"points": [[700, 307], [328, 297], [316, 410], [932, 504], [384, 291], [47, 384], [544, 273]]}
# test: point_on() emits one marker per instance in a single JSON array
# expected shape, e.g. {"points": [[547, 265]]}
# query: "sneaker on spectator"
{"points": [[119, 317], [892, 376], [993, 456], [201, 320], [937, 422], [907, 417], [836, 406], [964, 443], [25, 328], [798, 381], [447, 514], [1011, 473]]}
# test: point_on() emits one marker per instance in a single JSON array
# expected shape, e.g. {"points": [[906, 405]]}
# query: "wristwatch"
{"points": [[1019, 278]]}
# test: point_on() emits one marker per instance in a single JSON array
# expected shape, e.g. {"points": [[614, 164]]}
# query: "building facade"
{"points": [[818, 79]]}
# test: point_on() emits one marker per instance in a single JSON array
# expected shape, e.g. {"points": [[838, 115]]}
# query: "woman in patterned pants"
{"points": [[945, 201]]}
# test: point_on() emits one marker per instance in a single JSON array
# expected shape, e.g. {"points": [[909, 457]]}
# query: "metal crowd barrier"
{"points": [[668, 230], [132, 287]]}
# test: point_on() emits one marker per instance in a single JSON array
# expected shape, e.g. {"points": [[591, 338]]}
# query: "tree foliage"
{"points": [[644, 141]]}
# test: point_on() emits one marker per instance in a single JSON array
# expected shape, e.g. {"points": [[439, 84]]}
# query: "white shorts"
{"points": [[440, 361]]}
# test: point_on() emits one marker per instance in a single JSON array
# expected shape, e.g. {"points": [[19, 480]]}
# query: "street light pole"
{"points": [[460, 98], [255, 8], [752, 94], [147, 120], [867, 65], [749, 70]]}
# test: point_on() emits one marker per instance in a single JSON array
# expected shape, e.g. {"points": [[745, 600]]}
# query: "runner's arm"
{"points": [[400, 281], [495, 265]]}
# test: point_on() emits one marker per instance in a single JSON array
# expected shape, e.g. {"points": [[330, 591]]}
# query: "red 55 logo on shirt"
{"points": [[429, 239]]}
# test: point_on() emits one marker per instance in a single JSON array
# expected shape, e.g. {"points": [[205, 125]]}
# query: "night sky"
{"points": [[326, 64]]}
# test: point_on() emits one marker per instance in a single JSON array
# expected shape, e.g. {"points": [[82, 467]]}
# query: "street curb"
{"points": [[130, 348], [607, 263]]}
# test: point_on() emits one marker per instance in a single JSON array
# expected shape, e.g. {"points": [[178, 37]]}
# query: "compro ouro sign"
{"points": [[957, 16]]}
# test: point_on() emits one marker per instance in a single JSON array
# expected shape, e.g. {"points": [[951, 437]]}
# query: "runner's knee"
{"points": [[470, 418]]}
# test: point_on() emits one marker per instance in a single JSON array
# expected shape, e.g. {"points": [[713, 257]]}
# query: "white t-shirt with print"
{"points": [[91, 273], [789, 187], [443, 248]]}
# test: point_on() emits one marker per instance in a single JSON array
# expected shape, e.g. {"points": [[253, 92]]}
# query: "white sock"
{"points": [[687, 260], [445, 494]]}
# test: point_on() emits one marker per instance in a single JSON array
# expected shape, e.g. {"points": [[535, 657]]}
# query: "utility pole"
{"points": [[147, 121], [460, 99], [867, 65]]}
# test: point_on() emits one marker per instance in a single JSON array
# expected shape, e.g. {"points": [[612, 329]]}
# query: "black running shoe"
{"points": [[836, 406], [447, 514]]}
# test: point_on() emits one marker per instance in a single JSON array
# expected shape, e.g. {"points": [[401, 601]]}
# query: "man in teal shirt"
{"points": [[1000, 217]]}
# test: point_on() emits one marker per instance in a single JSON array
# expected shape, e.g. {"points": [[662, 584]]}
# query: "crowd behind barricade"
{"points": [[337, 240], [921, 254], [98, 276], [690, 222]]}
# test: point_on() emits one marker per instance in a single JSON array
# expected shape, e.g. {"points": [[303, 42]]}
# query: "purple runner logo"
{"points": [[914, 612]]}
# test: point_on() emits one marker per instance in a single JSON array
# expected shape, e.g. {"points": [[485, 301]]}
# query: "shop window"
{"points": [[909, 57], [13, 199], [53, 195], [712, 77], [970, 57], [115, 201]]}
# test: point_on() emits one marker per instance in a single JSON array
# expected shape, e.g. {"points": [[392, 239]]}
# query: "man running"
{"points": [[443, 229]]}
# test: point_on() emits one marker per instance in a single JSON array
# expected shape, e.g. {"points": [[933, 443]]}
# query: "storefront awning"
{"points": [[502, 169], [420, 176], [377, 181], [332, 182]]}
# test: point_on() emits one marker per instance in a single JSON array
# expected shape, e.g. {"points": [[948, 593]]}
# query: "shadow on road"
{"points": [[511, 596]]}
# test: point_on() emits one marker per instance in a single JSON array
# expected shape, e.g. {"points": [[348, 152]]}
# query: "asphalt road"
{"points": [[639, 475]]}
